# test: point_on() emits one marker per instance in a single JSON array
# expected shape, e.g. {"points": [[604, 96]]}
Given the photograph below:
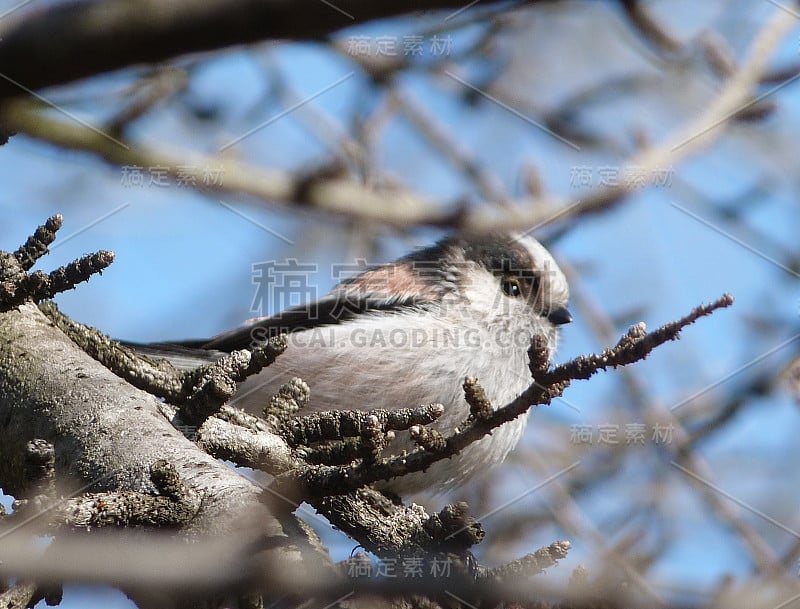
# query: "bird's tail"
{"points": [[184, 356]]}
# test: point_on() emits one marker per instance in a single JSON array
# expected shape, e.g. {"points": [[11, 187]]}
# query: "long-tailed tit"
{"points": [[408, 332]]}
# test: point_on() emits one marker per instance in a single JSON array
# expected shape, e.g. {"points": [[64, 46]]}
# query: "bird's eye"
{"points": [[511, 287]]}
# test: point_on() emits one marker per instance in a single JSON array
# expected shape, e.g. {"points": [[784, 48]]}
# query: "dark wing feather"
{"points": [[332, 309], [367, 293]]}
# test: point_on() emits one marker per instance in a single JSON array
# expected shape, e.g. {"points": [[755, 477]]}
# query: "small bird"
{"points": [[408, 332]]}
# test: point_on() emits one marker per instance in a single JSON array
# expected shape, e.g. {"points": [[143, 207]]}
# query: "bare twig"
{"points": [[155, 376], [338, 424], [207, 388], [17, 285], [36, 245], [531, 564]]}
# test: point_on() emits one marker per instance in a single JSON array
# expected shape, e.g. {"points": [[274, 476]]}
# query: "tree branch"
{"points": [[348, 199], [106, 434], [68, 41]]}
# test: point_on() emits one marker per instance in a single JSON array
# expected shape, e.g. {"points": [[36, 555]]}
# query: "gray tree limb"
{"points": [[107, 434]]}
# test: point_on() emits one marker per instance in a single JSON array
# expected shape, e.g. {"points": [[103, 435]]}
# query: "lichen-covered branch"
{"points": [[155, 376], [335, 425], [245, 446], [634, 346], [62, 413], [389, 529], [19, 595], [200, 392], [173, 507], [36, 245], [18, 285], [207, 388], [531, 564]]}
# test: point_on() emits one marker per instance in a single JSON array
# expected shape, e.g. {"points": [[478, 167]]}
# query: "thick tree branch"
{"points": [[112, 439], [68, 41], [199, 392]]}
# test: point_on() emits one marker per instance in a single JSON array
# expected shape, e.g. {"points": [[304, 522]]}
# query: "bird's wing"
{"points": [[326, 311], [396, 287], [390, 288], [334, 308]]}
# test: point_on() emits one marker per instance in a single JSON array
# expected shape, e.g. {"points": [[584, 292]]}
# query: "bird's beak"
{"points": [[559, 316]]}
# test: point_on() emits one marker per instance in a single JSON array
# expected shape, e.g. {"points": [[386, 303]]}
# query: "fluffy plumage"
{"points": [[408, 332]]}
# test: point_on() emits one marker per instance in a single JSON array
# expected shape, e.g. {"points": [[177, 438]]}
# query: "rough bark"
{"points": [[107, 434]]}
